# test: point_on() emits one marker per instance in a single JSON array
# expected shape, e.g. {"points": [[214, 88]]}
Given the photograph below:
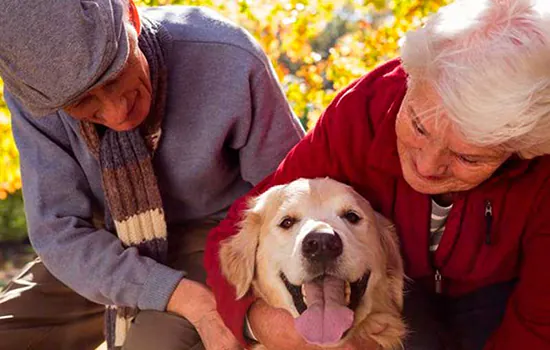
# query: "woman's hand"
{"points": [[357, 343], [275, 329], [196, 303]]}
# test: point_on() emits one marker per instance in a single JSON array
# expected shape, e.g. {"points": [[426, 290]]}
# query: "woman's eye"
{"points": [[287, 223], [467, 160], [418, 128], [352, 217]]}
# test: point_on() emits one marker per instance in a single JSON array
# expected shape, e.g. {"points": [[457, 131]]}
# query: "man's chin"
{"points": [[125, 126], [132, 122]]}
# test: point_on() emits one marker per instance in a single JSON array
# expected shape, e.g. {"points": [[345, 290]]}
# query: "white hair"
{"points": [[489, 62]]}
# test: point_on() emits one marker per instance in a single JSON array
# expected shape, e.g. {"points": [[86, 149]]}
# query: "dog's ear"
{"points": [[394, 262], [238, 253]]}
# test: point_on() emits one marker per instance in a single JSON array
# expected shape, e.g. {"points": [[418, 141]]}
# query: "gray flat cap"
{"points": [[52, 51]]}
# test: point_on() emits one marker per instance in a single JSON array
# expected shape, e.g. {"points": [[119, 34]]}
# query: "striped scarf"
{"points": [[133, 204]]}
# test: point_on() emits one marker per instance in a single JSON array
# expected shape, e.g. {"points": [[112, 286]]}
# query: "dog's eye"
{"points": [[287, 223], [352, 217]]}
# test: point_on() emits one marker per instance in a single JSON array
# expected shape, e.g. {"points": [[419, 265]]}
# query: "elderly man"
{"points": [[136, 131]]}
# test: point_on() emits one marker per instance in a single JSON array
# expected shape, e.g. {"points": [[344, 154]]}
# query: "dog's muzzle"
{"points": [[325, 301], [326, 306], [320, 247]]}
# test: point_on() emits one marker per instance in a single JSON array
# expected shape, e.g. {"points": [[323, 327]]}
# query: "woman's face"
{"points": [[434, 157]]}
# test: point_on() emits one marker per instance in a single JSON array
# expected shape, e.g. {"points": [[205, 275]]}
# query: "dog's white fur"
{"points": [[255, 257]]}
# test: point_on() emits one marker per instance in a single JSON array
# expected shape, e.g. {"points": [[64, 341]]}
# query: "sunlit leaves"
{"points": [[10, 177], [316, 46]]}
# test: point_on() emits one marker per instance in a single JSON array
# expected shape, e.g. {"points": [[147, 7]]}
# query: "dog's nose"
{"points": [[322, 247]]}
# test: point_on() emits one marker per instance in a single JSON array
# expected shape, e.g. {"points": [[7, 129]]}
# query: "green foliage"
{"points": [[12, 218]]}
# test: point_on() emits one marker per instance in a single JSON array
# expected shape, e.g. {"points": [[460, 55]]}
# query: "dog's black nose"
{"points": [[322, 247]]}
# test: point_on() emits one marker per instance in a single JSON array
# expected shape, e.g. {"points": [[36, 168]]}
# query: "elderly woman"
{"points": [[450, 142]]}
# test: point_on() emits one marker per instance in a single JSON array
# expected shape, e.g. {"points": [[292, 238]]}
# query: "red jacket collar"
{"points": [[383, 151]]}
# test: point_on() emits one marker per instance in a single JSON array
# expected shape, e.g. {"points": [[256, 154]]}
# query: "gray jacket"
{"points": [[227, 126]]}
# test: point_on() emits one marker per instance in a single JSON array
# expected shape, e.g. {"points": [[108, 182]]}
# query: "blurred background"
{"points": [[317, 48]]}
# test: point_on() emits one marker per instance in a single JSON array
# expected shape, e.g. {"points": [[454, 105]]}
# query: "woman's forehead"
{"points": [[457, 143], [426, 107], [422, 95]]}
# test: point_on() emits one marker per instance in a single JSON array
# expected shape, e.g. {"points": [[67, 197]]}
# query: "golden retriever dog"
{"points": [[317, 249]]}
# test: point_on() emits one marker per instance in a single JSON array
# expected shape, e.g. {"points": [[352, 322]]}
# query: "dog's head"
{"points": [[314, 248]]}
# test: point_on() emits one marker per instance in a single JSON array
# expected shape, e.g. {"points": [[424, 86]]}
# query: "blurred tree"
{"points": [[10, 177], [12, 218], [320, 46], [316, 46]]}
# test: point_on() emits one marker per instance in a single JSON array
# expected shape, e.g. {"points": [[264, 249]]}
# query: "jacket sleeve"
{"points": [[58, 206], [526, 323], [316, 155]]}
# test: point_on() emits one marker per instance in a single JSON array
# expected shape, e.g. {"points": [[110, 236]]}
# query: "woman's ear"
{"points": [[134, 16]]}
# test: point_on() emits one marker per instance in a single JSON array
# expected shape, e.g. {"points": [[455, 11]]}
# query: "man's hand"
{"points": [[215, 335], [196, 303], [284, 336]]}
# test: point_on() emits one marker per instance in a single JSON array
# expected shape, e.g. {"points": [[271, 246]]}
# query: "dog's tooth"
{"points": [[304, 296], [347, 293]]}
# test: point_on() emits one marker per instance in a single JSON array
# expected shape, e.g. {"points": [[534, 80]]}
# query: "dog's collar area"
{"points": [[358, 289]]}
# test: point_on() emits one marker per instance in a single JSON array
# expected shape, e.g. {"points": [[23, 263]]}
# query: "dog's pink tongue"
{"points": [[327, 317]]}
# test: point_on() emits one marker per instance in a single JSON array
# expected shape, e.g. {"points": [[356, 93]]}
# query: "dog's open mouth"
{"points": [[326, 306], [353, 292]]}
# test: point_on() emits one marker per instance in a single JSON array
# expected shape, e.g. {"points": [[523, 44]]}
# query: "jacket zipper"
{"points": [[438, 278], [488, 221], [438, 282]]}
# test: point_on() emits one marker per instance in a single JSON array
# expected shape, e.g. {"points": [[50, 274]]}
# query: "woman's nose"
{"points": [[431, 162]]}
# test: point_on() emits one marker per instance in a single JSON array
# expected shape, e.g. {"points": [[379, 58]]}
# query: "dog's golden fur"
{"points": [[262, 250]]}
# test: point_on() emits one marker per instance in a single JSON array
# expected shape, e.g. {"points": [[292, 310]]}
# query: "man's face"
{"points": [[123, 102]]}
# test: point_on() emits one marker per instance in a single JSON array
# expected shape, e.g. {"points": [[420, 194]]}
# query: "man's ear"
{"points": [[134, 16]]}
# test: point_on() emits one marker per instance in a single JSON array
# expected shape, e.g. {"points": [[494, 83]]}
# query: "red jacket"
{"points": [[354, 142]]}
